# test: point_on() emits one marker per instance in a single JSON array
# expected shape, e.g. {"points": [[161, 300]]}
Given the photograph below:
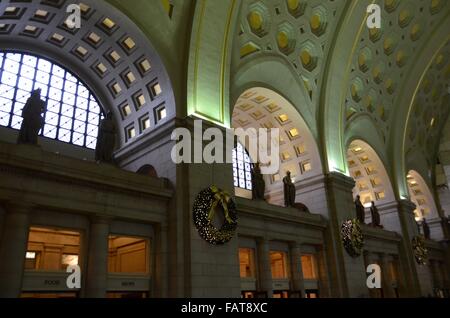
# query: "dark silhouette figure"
{"points": [[32, 119], [360, 210], [376, 220], [301, 207], [258, 183], [426, 229], [289, 190], [106, 140]]}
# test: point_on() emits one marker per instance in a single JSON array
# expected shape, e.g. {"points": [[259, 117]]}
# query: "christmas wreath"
{"points": [[352, 237], [205, 206], [419, 249]]}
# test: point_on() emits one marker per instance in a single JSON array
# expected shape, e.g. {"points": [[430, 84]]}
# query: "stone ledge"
{"points": [[34, 160], [266, 210], [380, 234]]}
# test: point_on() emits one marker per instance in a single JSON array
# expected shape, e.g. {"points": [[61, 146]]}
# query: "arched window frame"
{"points": [[242, 168], [73, 112]]}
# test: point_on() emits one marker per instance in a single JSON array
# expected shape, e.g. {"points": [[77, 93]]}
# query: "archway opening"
{"points": [[421, 196], [72, 112], [370, 175], [298, 153]]}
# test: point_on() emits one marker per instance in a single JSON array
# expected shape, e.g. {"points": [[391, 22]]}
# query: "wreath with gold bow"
{"points": [[207, 203], [419, 249], [352, 237]]}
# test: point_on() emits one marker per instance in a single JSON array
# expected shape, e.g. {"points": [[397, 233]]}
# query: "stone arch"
{"points": [[109, 53], [422, 197], [261, 107], [333, 94], [405, 101], [259, 72], [372, 180]]}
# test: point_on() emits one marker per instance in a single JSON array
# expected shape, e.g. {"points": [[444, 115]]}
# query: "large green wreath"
{"points": [[204, 210], [419, 249], [352, 237]]}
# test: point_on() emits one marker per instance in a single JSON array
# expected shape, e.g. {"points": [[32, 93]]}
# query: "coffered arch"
{"points": [[109, 53]]}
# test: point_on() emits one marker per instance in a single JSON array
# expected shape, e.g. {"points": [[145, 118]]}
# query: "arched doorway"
{"points": [[426, 208], [260, 107], [372, 182]]}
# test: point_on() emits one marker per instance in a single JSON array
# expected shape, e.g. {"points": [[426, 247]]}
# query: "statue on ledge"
{"points": [[360, 211], [376, 220], [32, 119], [289, 190], [258, 183], [106, 140], [426, 229]]}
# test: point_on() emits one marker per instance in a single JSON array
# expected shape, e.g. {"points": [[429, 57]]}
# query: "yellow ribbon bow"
{"points": [[222, 198]]}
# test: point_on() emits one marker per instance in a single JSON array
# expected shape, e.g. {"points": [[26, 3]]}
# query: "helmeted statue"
{"points": [[106, 140], [426, 229], [360, 210], [258, 183], [289, 190], [376, 220], [32, 119]]}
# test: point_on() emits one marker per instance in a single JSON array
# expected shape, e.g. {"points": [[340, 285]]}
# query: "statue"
{"points": [[289, 190], [376, 221], [32, 119], [258, 183], [426, 229], [106, 140], [360, 211]]}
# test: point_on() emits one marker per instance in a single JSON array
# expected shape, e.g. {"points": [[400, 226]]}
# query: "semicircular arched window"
{"points": [[242, 168], [73, 113]]}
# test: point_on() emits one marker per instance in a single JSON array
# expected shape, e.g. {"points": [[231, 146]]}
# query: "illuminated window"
{"points": [[161, 113], [278, 265], [285, 156], [51, 249], [300, 150], [370, 170], [421, 201], [375, 182], [357, 174], [306, 166], [380, 195], [364, 159], [128, 255], [309, 267], [247, 262], [73, 113], [242, 167], [362, 186]]}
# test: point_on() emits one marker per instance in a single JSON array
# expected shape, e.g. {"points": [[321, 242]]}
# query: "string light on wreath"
{"points": [[206, 204], [352, 237], [419, 249]]}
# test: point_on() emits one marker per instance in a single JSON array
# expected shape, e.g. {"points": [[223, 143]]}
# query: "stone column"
{"points": [[386, 279], [13, 247], [418, 279], [347, 274], [265, 270], [296, 268], [97, 268]]}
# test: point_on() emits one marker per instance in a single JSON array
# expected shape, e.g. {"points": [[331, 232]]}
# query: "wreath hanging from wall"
{"points": [[352, 237], [419, 249], [206, 204]]}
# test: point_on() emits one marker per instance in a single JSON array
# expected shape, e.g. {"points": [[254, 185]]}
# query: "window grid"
{"points": [[242, 168], [73, 114]]}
